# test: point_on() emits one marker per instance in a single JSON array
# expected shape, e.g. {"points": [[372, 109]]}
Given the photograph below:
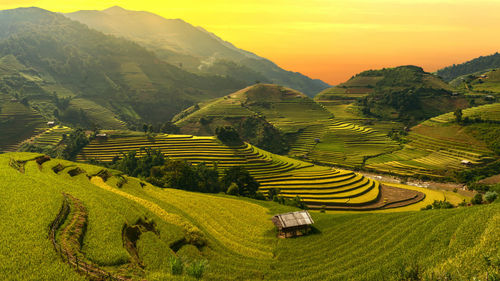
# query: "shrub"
{"points": [[491, 196], [477, 199], [233, 189], [196, 269], [176, 265]]}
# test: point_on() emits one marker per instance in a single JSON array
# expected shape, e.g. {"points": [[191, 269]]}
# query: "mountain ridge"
{"points": [[188, 46]]}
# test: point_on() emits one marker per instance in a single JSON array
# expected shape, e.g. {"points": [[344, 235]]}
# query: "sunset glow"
{"points": [[329, 39]]}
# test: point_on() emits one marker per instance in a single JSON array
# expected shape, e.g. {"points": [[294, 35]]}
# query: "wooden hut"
{"points": [[293, 224]]}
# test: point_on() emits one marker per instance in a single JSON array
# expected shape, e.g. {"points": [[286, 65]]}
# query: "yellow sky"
{"points": [[331, 39]]}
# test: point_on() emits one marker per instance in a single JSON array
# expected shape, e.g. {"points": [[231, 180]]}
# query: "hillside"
{"points": [[404, 93], [66, 71], [316, 185], [131, 232], [265, 115], [438, 146], [480, 64], [483, 86], [193, 48]]}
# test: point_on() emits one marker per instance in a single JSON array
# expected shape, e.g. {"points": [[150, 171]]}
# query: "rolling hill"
{"points": [[193, 48], [480, 64], [66, 71], [74, 222], [266, 115], [404, 93]]}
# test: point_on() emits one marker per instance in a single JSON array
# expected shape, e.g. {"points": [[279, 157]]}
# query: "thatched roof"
{"points": [[293, 219]]}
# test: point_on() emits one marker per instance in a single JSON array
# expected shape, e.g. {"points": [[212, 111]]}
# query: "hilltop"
{"points": [[266, 115], [404, 93], [103, 223], [193, 48], [68, 72], [480, 64]]}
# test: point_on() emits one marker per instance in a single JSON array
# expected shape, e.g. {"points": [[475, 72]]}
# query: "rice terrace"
{"points": [[137, 145]]}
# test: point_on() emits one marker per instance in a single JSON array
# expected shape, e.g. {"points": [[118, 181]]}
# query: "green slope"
{"points": [[437, 146], [404, 93], [193, 48], [461, 244], [109, 79], [265, 115], [480, 64]]}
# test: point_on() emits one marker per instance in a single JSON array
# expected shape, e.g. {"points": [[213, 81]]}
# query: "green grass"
{"points": [[241, 241]]}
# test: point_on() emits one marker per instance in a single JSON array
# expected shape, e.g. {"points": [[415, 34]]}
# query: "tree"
{"points": [[169, 128], [228, 135], [247, 185], [458, 115], [477, 199], [491, 196], [145, 128]]}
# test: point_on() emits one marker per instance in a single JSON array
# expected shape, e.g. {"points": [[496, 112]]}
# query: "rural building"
{"points": [[466, 162], [101, 136], [293, 224], [51, 123]]}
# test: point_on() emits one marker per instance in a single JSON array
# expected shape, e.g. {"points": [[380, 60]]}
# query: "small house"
{"points": [[489, 97], [466, 162], [454, 94], [51, 124], [293, 224], [101, 136]]}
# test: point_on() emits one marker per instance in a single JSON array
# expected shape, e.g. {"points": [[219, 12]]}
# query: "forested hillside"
{"points": [[482, 63], [68, 71], [194, 48]]}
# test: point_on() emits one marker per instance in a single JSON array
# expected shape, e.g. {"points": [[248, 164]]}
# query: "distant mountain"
{"points": [[65, 70], [480, 64], [193, 48], [405, 93]]}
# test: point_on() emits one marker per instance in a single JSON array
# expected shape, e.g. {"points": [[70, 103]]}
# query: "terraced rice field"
{"points": [[349, 144], [52, 136], [315, 184], [240, 240], [17, 123], [485, 112], [437, 146]]}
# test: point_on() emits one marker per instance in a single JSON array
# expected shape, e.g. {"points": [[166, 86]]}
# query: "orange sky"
{"points": [[331, 39]]}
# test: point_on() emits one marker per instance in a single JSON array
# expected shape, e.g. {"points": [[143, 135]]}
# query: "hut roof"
{"points": [[293, 219]]}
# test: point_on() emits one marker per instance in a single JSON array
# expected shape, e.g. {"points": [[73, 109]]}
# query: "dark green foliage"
{"points": [[491, 196], [262, 134], [247, 185], [176, 265], [169, 128], [196, 268], [76, 140], [475, 174], [458, 115], [438, 205], [294, 202], [162, 172], [228, 135], [478, 64], [477, 199]]}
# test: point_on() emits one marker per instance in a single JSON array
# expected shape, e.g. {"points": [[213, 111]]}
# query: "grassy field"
{"points": [[238, 245]]}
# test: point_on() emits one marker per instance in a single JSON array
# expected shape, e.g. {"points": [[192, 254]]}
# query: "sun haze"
{"points": [[331, 40]]}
